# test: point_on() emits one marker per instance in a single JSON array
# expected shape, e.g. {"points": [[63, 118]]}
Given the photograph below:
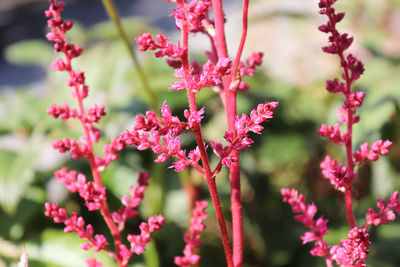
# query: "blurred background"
{"points": [[286, 155]]}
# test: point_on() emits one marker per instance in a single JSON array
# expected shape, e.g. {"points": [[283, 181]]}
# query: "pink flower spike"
{"points": [[305, 214], [386, 211], [139, 242], [192, 238]]}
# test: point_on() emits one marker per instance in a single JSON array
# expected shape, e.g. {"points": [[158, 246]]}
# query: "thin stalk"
{"points": [[114, 16], [349, 208], [242, 38], [228, 95], [210, 179], [349, 147]]}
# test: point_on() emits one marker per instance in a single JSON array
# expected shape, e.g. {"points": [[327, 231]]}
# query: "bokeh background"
{"points": [[286, 155]]}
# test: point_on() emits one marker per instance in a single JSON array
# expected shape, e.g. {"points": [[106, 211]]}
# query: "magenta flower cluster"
{"points": [[352, 251], [161, 135]]}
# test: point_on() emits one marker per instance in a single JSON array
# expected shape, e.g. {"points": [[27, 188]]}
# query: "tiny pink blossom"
{"points": [[335, 173], [165, 48], [138, 242], [386, 211], [333, 133]]}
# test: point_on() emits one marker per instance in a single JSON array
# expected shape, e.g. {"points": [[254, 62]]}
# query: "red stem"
{"points": [[203, 153], [219, 29], [243, 38], [349, 209], [349, 146], [229, 98]]}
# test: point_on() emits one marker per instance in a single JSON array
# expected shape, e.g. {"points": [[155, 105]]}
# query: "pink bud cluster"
{"points": [[63, 111], [138, 242], [378, 148], [197, 79], [244, 124], [162, 136], [192, 239], [305, 214], [387, 211], [352, 251], [77, 224], [194, 13], [161, 43], [336, 173], [93, 263], [249, 68]]}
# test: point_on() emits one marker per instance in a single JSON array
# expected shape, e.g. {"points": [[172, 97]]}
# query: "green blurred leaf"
{"points": [[286, 148], [108, 30], [63, 249], [28, 52], [16, 172], [151, 257]]}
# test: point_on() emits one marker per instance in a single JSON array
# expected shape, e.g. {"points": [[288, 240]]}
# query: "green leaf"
{"points": [[16, 172], [28, 52], [283, 149], [63, 249]]}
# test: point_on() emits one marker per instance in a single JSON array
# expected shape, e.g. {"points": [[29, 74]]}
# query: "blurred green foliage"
{"points": [[287, 154]]}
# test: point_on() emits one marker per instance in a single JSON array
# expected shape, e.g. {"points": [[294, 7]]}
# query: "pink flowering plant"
{"points": [[354, 250], [161, 134], [163, 131]]}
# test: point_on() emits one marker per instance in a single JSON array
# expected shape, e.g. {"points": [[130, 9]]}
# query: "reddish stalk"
{"points": [[243, 37], [203, 154], [228, 95], [349, 147]]}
